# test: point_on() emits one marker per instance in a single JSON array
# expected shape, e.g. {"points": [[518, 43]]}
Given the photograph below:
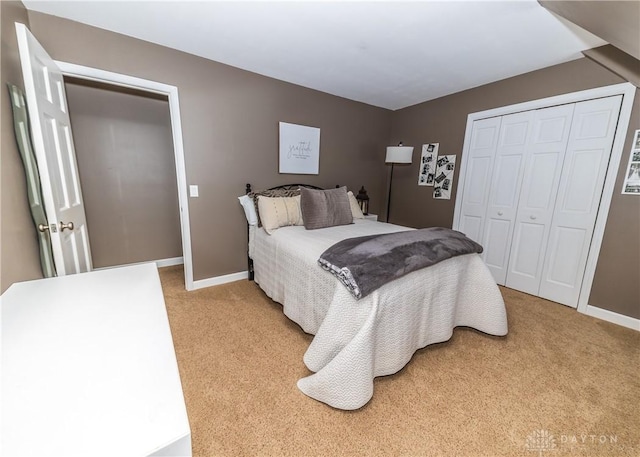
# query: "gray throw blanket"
{"points": [[365, 263]]}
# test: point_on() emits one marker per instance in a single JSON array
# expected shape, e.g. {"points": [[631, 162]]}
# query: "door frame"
{"points": [[171, 92], [628, 91]]}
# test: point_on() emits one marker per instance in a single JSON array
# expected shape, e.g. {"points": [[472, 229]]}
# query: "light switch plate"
{"points": [[193, 190]]}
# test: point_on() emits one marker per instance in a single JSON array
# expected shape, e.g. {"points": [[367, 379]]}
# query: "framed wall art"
{"points": [[632, 178], [299, 149]]}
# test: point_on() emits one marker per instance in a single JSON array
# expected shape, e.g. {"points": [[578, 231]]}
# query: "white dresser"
{"points": [[88, 368]]}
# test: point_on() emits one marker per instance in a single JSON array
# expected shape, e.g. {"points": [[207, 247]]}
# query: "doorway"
{"points": [[150, 89], [124, 154]]}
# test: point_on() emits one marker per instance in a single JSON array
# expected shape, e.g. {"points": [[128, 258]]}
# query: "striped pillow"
{"points": [[271, 193]]}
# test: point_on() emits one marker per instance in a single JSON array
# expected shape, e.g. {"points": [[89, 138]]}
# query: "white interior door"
{"points": [[581, 183], [542, 167], [482, 150], [55, 154], [505, 190]]}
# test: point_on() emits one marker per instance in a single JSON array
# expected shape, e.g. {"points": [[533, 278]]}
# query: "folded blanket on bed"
{"points": [[365, 263]]}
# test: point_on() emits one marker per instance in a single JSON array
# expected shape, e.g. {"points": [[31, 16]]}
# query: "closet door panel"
{"points": [[543, 167], [563, 265], [484, 138], [579, 193], [525, 262], [475, 197], [496, 251], [505, 190]]}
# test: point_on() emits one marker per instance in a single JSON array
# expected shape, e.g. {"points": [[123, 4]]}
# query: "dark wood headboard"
{"points": [[286, 187]]}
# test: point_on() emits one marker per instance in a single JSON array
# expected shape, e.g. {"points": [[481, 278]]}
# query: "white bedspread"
{"points": [[357, 340]]}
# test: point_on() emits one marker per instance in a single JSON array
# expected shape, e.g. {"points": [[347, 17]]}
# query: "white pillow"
{"points": [[356, 212], [249, 209], [276, 212]]}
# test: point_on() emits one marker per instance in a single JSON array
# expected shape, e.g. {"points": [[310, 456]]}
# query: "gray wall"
{"points": [[230, 120], [616, 286], [19, 258], [230, 126], [124, 150]]}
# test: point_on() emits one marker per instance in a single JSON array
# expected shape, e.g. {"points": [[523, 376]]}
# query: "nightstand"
{"points": [[371, 217]]}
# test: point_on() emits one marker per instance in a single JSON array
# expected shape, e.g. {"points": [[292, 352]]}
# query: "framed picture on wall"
{"points": [[632, 178], [299, 149]]}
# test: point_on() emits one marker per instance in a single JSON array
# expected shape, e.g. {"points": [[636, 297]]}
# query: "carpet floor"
{"points": [[560, 383]]}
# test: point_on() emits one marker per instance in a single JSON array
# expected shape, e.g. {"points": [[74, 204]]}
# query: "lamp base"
{"points": [[389, 196]]}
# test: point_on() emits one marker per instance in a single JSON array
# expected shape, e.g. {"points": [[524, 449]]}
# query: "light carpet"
{"points": [[560, 383]]}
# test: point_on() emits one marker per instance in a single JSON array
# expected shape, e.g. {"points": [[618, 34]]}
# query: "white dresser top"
{"points": [[88, 366]]}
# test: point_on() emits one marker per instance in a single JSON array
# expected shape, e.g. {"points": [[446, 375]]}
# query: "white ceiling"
{"points": [[385, 53]]}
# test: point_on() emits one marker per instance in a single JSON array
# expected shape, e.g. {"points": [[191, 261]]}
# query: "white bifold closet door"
{"points": [[544, 158], [508, 170], [583, 174], [482, 151], [532, 191]]}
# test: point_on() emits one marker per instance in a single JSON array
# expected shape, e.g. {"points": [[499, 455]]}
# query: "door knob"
{"points": [[66, 226], [43, 228]]}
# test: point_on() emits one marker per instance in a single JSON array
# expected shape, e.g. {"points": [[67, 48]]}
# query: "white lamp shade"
{"points": [[399, 154]]}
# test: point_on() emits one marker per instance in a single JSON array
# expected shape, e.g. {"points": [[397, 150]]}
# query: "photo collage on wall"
{"points": [[443, 181], [632, 180], [428, 164], [436, 171]]}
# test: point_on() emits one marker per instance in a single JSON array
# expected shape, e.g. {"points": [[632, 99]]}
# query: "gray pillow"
{"points": [[325, 208]]}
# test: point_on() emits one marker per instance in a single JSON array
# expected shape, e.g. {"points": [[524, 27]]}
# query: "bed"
{"points": [[357, 340]]}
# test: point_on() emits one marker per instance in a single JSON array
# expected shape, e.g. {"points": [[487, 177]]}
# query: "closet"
{"points": [[531, 191]]}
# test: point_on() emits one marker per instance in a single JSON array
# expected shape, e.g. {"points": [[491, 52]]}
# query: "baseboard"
{"points": [[615, 318], [217, 280], [160, 263], [169, 262]]}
